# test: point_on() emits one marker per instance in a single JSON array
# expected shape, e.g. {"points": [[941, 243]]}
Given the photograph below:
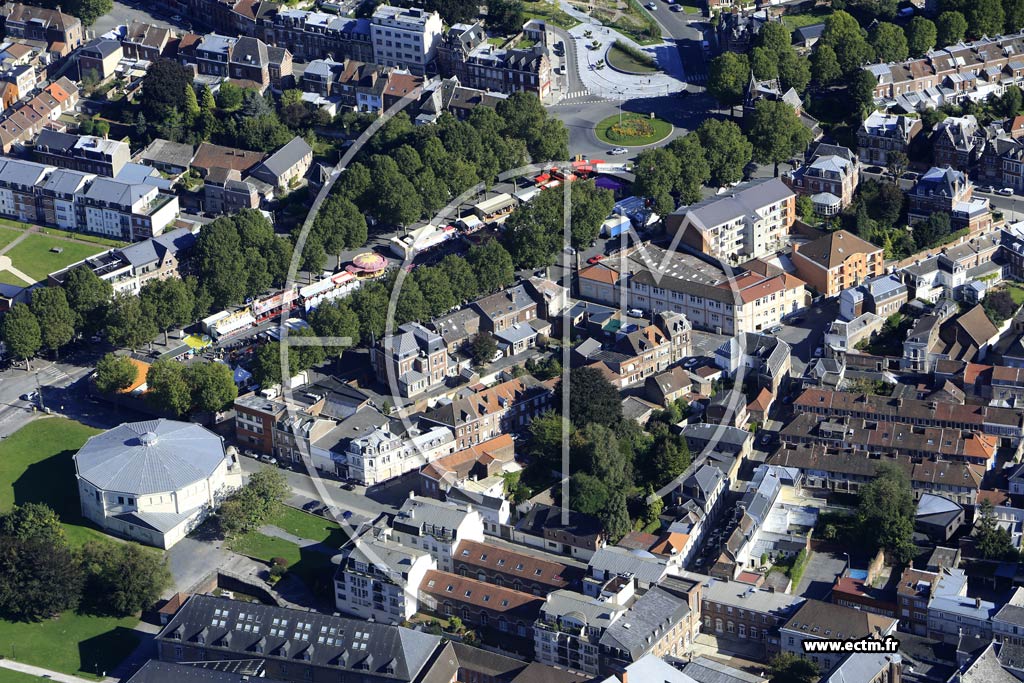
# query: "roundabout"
{"points": [[632, 130]]}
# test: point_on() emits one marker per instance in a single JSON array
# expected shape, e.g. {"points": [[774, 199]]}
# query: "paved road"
{"points": [[123, 14], [808, 334]]}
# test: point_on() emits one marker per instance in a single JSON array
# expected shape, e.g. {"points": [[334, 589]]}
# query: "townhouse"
{"points": [[882, 296], [255, 417], [488, 413], [98, 59], [829, 179], [246, 60], [395, 448], [85, 153], [287, 167], [952, 272], [405, 37], [62, 33], [1002, 423], [479, 466], [311, 35], [633, 357], [749, 221], [945, 335], [912, 592], [413, 360], [764, 358], [751, 298], [146, 42], [894, 438], [1008, 622], [880, 134], [957, 142], [520, 571], [543, 527], [509, 612], [846, 470], [357, 85], [971, 70], [465, 54], [836, 261], [23, 122], [952, 615], [816, 620], [570, 625], [946, 190]]}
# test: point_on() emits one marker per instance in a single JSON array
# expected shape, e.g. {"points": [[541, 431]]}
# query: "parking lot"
{"points": [[819, 575]]}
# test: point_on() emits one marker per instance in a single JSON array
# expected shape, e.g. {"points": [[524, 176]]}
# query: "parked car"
{"points": [[988, 189], [348, 486], [818, 352], [346, 514], [267, 459], [594, 259], [651, 6], [618, 150], [1006, 191], [311, 505]]}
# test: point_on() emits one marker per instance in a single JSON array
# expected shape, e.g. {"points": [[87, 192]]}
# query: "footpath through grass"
{"points": [[33, 255], [36, 467]]}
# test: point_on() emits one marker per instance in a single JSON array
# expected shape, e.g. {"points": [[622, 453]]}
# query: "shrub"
{"points": [[631, 128]]}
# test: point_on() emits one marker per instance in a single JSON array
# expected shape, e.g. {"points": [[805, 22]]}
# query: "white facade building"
{"points": [[436, 527], [405, 37], [387, 452], [379, 579], [154, 481]]}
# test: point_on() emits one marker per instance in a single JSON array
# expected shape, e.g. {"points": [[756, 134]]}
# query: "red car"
{"points": [[594, 259]]}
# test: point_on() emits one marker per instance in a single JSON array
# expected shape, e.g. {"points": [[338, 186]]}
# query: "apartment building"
{"points": [[738, 611], [414, 360], [62, 33], [287, 642], [655, 280], [570, 625], [882, 296], [829, 179], [750, 221], [520, 571], [311, 35], [952, 615], [846, 470], [483, 415], [949, 191], [950, 272], [1003, 423], [837, 261], [481, 605], [912, 594], [255, 418], [882, 133], [436, 527], [121, 210], [405, 37], [395, 448], [816, 620], [1008, 623], [85, 153], [378, 579], [633, 357], [895, 438]]}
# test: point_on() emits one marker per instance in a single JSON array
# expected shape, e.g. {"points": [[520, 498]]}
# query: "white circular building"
{"points": [[154, 481]]}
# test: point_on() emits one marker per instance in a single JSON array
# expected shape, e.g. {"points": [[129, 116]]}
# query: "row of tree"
{"points": [[172, 387], [614, 464], [41, 575]]}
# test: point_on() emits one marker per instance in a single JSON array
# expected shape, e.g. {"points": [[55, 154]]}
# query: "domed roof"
{"points": [[150, 457], [370, 261]]}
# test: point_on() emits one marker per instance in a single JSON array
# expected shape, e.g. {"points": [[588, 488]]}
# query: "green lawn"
{"points": [[795, 21], [313, 567], [36, 467], [83, 237], [8, 235], [17, 225], [7, 676], [661, 130], [305, 525], [72, 644], [9, 278], [33, 257], [623, 61], [1016, 292], [548, 11]]}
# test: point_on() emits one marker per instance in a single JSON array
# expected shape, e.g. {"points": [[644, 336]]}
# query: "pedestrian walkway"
{"points": [[30, 670]]}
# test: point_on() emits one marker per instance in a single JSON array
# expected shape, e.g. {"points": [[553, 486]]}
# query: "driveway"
{"points": [[192, 559], [820, 574]]}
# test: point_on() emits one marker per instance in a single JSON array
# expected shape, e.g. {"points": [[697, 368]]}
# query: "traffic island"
{"points": [[632, 130]]}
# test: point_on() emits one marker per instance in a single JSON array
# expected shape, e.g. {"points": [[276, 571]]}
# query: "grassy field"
{"points": [[9, 278], [8, 235], [623, 61], [83, 237], [311, 566], [7, 676], [305, 525], [661, 130], [1016, 292], [548, 11], [33, 256], [795, 21], [72, 644], [36, 467]]}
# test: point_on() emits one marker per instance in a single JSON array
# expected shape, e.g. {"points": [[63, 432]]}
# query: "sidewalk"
{"points": [[46, 673], [317, 546], [615, 85]]}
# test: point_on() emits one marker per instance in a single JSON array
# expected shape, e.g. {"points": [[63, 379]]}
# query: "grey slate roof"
{"points": [[860, 667], [614, 560], [149, 457], [741, 201], [342, 644], [707, 670], [281, 161], [155, 671], [652, 613]]}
